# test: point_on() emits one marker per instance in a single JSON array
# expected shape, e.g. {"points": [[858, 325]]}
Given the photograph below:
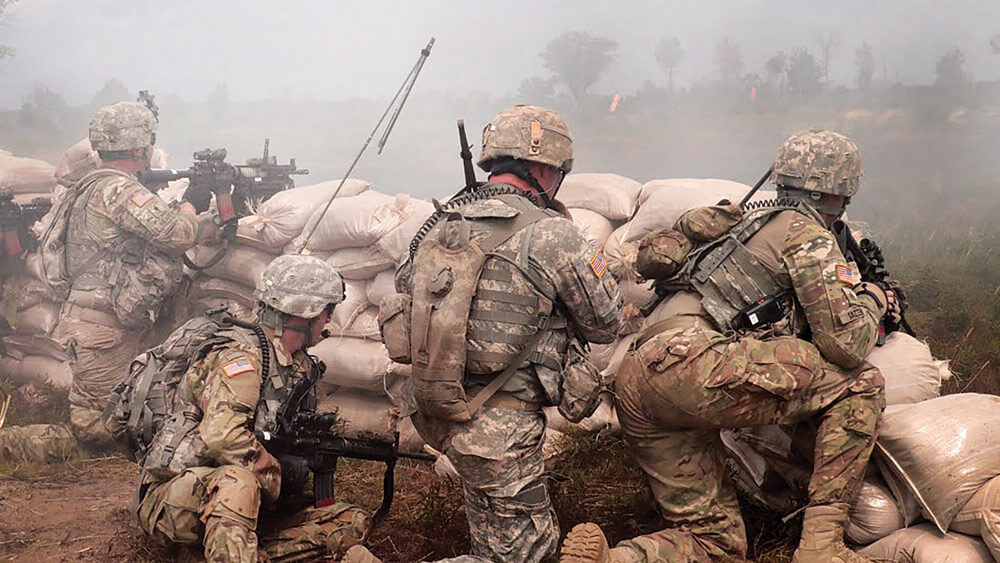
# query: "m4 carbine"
{"points": [[309, 435], [234, 186], [16, 220]]}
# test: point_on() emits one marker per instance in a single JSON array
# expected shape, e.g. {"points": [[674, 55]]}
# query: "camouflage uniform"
{"points": [[226, 474], [498, 453], [686, 378], [122, 248]]}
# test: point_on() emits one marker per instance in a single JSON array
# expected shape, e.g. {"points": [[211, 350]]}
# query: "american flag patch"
{"points": [[236, 367], [847, 275], [598, 265], [142, 198]]}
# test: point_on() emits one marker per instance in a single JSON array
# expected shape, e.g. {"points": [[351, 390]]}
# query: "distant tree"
{"points": [[777, 69], [729, 60], [804, 73], [535, 90], [950, 68], [995, 44], [5, 50], [219, 96], [669, 54], [864, 60], [114, 90], [578, 60], [44, 98], [826, 44]]}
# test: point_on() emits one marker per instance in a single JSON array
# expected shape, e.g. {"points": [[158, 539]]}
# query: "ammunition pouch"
{"points": [[581, 385], [394, 325]]}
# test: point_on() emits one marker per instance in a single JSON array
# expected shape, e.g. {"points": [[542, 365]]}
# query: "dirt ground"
{"points": [[73, 512]]}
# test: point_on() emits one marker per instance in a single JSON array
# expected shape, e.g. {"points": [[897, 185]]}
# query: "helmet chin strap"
{"points": [[812, 200]]}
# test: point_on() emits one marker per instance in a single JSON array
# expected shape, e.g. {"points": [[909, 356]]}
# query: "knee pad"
{"points": [[233, 493]]}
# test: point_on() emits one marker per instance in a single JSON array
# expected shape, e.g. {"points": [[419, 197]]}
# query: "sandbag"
{"points": [[359, 263], [19, 346], [383, 284], [874, 513], [361, 413], [354, 221], [595, 228], [242, 264], [981, 516], [362, 323], [923, 544], [666, 204], [76, 162], [353, 362], [911, 373], [174, 192], [282, 217], [21, 292], [941, 450], [610, 195], [20, 175], [621, 255], [37, 369], [700, 189], [204, 286], [37, 319], [396, 243], [621, 347], [355, 301]]}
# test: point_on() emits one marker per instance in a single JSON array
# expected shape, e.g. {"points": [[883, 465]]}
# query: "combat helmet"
{"points": [[298, 285], [529, 133], [121, 127], [819, 160]]}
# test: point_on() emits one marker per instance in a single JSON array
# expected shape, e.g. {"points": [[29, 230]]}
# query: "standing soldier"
{"points": [[505, 293], [206, 473], [769, 325], [114, 252]]}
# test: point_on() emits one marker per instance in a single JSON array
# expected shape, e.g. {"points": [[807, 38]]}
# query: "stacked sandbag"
{"points": [[29, 353], [875, 513], [25, 175], [364, 235], [924, 544], [910, 371]]}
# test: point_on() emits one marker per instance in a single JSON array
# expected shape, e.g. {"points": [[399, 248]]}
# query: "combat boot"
{"points": [[823, 536], [586, 543], [359, 554]]}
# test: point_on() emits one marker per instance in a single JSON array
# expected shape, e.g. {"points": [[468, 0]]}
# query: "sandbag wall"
{"points": [[27, 306], [364, 235]]}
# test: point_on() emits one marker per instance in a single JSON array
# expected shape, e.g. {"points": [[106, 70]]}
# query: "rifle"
{"points": [[16, 220], [308, 435], [871, 263], [234, 186]]}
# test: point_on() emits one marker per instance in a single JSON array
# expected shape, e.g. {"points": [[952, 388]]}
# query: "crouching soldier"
{"points": [[206, 476]]}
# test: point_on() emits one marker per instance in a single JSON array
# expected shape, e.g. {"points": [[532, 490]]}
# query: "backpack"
{"points": [[142, 403], [52, 232], [446, 274]]}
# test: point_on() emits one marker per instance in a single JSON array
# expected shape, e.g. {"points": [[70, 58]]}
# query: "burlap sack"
{"points": [[21, 175], [665, 202], [282, 217], [242, 264], [610, 195], [941, 450], [923, 544], [875, 513], [356, 221], [355, 363], [360, 263], [981, 516], [37, 369], [911, 373], [595, 228], [383, 284], [396, 243]]}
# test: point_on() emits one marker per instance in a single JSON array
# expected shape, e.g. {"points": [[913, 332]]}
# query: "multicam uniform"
{"points": [[226, 474], [546, 268]]}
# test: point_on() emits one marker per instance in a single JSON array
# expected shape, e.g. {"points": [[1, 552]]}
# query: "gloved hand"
{"points": [[294, 473], [894, 309], [443, 466], [198, 196]]}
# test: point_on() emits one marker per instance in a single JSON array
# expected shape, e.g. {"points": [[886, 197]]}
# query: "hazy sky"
{"points": [[327, 49]]}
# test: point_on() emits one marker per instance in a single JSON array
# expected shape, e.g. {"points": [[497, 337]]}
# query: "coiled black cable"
{"points": [[485, 192]]}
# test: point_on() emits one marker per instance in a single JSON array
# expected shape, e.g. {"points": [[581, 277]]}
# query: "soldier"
{"points": [[769, 325], [222, 474], [541, 289], [119, 260]]}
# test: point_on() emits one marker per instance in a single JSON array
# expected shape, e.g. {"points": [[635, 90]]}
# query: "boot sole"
{"points": [[585, 543]]}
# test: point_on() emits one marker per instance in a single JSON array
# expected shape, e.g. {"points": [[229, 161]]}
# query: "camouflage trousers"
{"points": [[679, 388], [219, 507], [45, 443], [498, 455], [99, 358]]}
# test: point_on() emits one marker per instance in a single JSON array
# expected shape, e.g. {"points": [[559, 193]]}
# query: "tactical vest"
{"points": [[447, 268], [732, 281]]}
